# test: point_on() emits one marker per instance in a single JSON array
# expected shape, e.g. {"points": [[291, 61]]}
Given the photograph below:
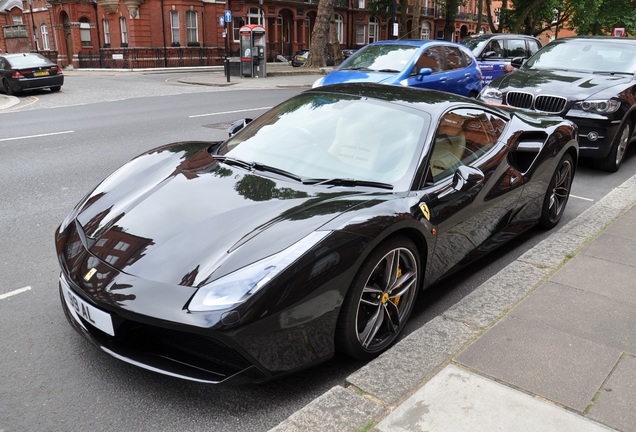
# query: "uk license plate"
{"points": [[41, 73], [79, 308]]}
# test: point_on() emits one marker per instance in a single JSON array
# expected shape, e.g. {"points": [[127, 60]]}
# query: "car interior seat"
{"points": [[447, 154]]}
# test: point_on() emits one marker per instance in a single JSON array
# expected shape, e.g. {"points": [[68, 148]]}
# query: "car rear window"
{"points": [[28, 61]]}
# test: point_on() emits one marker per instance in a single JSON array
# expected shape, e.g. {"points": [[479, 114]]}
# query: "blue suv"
{"points": [[494, 52]]}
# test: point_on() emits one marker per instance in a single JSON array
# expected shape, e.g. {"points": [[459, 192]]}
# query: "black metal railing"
{"points": [[141, 58]]}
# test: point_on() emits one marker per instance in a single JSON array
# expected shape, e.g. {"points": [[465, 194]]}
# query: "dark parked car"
{"points": [[29, 71], [589, 80], [310, 230], [494, 52], [431, 64]]}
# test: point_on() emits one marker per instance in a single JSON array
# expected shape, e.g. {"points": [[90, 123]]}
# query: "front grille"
{"points": [[519, 99], [542, 103], [550, 104]]}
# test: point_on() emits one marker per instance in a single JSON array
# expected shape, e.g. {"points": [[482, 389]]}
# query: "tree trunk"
{"points": [[417, 12], [318, 44], [451, 13]]}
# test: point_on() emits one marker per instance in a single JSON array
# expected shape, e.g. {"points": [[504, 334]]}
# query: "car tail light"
{"points": [[55, 70], [17, 74]]}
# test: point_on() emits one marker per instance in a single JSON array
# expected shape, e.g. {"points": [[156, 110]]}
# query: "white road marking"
{"points": [[12, 293], [35, 136], [581, 198], [229, 112]]}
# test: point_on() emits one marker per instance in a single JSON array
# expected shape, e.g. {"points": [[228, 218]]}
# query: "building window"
{"points": [[279, 20], [373, 29], [85, 32], [124, 32], [174, 26], [361, 4], [497, 13], [339, 27], [44, 31], [256, 16], [360, 33], [236, 27], [192, 27], [106, 33], [17, 19], [426, 31]]}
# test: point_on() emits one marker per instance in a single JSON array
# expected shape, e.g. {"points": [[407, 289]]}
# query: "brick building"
{"points": [[156, 33]]}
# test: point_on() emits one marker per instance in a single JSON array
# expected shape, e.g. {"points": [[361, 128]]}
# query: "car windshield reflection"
{"points": [[586, 56], [328, 136]]}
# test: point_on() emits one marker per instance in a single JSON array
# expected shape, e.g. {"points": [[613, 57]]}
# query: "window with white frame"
{"points": [[17, 19], [339, 27], [193, 27], [106, 26], [497, 13], [124, 31], [426, 31], [361, 4], [256, 16], [360, 34], [85, 32], [373, 29], [174, 28], [44, 31]]}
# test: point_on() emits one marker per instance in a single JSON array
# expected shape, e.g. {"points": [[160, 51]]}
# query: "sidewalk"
{"points": [[548, 344]]}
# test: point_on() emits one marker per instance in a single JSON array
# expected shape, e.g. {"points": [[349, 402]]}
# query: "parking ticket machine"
{"points": [[253, 51]]}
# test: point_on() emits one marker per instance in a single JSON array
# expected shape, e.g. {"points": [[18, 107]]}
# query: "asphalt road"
{"points": [[53, 149]]}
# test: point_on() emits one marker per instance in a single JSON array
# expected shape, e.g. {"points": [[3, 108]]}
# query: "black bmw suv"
{"points": [[589, 80]]}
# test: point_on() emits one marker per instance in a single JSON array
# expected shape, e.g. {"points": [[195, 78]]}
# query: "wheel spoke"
{"points": [[372, 326]]}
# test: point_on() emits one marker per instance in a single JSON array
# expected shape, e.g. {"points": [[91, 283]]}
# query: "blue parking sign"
{"points": [[228, 15]]}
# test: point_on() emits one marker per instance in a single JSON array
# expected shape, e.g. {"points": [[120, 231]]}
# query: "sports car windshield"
{"points": [[586, 56], [383, 57], [323, 136]]}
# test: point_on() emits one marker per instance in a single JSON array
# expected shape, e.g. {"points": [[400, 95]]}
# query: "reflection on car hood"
{"points": [[177, 216], [570, 84], [345, 76]]}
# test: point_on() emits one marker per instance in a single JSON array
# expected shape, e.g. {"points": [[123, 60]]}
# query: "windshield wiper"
{"points": [[348, 182], [389, 70], [358, 68], [612, 73], [256, 166]]}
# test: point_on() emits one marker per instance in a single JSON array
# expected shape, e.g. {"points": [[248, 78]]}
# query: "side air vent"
{"points": [[525, 151]]}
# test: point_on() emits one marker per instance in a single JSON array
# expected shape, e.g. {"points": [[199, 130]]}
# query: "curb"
{"points": [[365, 399]]}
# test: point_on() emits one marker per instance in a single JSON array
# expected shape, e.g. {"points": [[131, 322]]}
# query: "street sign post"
{"points": [[228, 19]]}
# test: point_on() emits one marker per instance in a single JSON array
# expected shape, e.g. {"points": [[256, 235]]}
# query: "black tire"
{"points": [[7, 88], [56, 89], [613, 160], [380, 300], [558, 193]]}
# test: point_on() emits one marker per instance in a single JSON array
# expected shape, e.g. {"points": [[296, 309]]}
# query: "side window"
{"points": [[494, 50], [533, 47], [462, 137], [516, 48], [454, 58], [431, 58]]}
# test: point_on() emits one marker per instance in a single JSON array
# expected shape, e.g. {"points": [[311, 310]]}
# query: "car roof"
{"points": [[500, 36], [412, 42], [621, 40]]}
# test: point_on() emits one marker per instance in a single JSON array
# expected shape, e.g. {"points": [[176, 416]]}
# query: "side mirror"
{"points": [[237, 126], [517, 62], [488, 54], [424, 72], [466, 178]]}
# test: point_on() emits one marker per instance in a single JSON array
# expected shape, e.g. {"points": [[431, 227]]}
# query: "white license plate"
{"points": [[79, 308]]}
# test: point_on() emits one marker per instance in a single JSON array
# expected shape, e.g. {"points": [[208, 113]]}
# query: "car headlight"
{"points": [[318, 82], [491, 95], [606, 106], [239, 286]]}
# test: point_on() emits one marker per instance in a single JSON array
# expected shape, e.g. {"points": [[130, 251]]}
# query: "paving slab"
{"points": [[615, 247], [616, 401], [456, 400], [550, 363], [600, 276]]}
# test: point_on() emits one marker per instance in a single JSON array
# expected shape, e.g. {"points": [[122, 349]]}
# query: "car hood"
{"points": [[570, 84], [177, 216], [345, 76]]}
